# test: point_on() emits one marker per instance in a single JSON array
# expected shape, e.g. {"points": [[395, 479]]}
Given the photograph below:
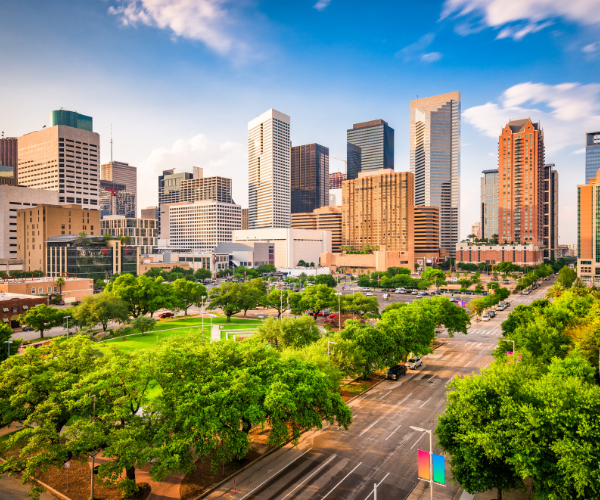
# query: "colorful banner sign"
{"points": [[439, 474], [424, 465]]}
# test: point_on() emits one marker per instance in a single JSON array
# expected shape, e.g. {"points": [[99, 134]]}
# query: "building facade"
{"points": [[199, 225], [592, 155], [476, 229], [121, 173], [200, 188], [169, 188], [71, 119], [435, 160], [62, 159], [38, 224], [12, 199], [309, 178], [588, 224], [72, 290], [9, 153], [521, 174], [521, 254], [269, 165], [369, 147], [290, 245], [14, 304], [322, 219], [336, 179], [489, 204], [149, 213], [378, 209], [426, 229], [249, 254], [116, 200], [213, 261], [550, 212], [244, 218], [141, 233], [378, 260], [335, 197]]}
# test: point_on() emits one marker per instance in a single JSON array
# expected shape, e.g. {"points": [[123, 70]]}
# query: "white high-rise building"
{"points": [[435, 160], [269, 171]]}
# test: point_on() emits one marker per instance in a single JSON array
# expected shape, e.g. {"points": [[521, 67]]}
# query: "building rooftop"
{"points": [[518, 125], [372, 123], [491, 171], [10, 296]]}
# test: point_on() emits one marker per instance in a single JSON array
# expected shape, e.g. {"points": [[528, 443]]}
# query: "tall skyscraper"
{"points": [[121, 173], [9, 153], [521, 177], [370, 147], [269, 192], [116, 200], [169, 188], [310, 178], [63, 159], [592, 155], [378, 209], [550, 212], [336, 179], [489, 204], [427, 229], [435, 160], [71, 119], [200, 188], [588, 241]]}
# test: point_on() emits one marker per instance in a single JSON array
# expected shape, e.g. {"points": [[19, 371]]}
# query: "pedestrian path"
{"points": [[485, 331]]}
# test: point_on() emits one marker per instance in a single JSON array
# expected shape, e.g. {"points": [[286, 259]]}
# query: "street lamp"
{"points": [[329, 342], [67, 318], [509, 340], [339, 311], [8, 342], [419, 429]]}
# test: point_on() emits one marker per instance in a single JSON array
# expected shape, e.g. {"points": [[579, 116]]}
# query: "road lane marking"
{"points": [[324, 464], [425, 403], [392, 433], [405, 399], [368, 428], [341, 481], [482, 351], [468, 363], [384, 395], [432, 378], [417, 440], [280, 470], [385, 477]]}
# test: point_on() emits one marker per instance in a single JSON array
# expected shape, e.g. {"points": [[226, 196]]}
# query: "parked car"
{"points": [[76, 303], [414, 363], [485, 317], [492, 314], [425, 293], [484, 293], [469, 292], [166, 315], [419, 296], [61, 302], [332, 316], [414, 292], [369, 294], [26, 329], [395, 372]]}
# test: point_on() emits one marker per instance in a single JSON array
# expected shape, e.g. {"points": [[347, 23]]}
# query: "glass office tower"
{"points": [[489, 203], [370, 146], [70, 119], [435, 160], [592, 155], [310, 178]]}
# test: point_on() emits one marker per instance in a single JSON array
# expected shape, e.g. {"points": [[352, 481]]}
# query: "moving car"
{"points": [[414, 292], [26, 329], [419, 296], [369, 294], [414, 363], [332, 316], [395, 372], [485, 317], [166, 315], [492, 314]]}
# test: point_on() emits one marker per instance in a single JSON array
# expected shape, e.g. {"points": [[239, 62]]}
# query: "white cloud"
{"points": [[321, 5], [591, 48], [565, 111], [518, 18], [227, 159], [417, 50], [578, 151], [207, 21]]}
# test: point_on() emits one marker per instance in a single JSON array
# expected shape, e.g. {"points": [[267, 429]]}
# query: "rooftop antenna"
{"points": [[111, 158]]}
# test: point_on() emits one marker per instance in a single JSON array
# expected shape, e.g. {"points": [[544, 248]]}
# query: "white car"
{"points": [[414, 363], [419, 296], [485, 317], [415, 293], [369, 294]]}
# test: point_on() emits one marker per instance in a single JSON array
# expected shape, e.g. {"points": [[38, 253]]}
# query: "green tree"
{"points": [[360, 304], [566, 277], [278, 300], [454, 318], [318, 298], [59, 283], [266, 268], [288, 332], [5, 335], [42, 318], [101, 309], [143, 294], [393, 271], [364, 280], [228, 297], [186, 293], [253, 295], [376, 347], [325, 279], [203, 274], [143, 324], [435, 275], [245, 273]]}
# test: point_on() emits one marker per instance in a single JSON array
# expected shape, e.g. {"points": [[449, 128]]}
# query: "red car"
{"points": [[166, 315], [332, 316]]}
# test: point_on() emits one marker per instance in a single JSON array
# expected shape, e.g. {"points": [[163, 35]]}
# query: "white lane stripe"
{"points": [[368, 427], [268, 479], [417, 440], [425, 403], [341, 481], [392, 433], [482, 351], [323, 465], [385, 477], [468, 363], [432, 377], [404, 399], [384, 395]]}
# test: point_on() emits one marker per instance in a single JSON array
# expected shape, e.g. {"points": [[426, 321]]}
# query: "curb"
{"points": [[48, 488], [213, 488]]}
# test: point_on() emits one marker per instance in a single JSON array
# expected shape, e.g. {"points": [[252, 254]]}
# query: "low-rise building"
{"points": [[73, 289], [144, 267], [519, 254], [290, 245], [378, 260], [249, 254], [213, 261], [322, 219], [142, 233], [13, 304]]}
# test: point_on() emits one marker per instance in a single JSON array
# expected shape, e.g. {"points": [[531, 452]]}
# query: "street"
{"points": [[380, 447]]}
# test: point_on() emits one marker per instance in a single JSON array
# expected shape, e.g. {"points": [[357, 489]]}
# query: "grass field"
{"points": [[181, 327]]}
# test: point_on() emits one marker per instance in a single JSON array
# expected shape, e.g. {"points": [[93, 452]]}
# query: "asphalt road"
{"points": [[380, 446]]}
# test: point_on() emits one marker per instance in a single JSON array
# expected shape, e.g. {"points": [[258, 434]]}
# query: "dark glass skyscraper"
{"points": [[310, 178], [370, 146], [71, 119], [592, 155]]}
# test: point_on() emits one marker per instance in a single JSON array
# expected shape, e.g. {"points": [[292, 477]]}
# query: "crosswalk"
{"points": [[494, 332]]}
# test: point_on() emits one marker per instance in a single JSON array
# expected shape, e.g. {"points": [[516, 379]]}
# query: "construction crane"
{"points": [[345, 163]]}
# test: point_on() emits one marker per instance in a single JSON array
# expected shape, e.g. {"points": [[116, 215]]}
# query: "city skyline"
{"points": [[183, 98]]}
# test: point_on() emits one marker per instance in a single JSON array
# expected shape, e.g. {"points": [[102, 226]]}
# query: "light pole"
{"points": [[67, 318], [509, 340], [339, 312], [8, 342], [203, 299], [93, 455], [418, 429], [329, 342]]}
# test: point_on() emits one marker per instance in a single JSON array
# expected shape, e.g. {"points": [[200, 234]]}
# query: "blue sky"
{"points": [[180, 79]]}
